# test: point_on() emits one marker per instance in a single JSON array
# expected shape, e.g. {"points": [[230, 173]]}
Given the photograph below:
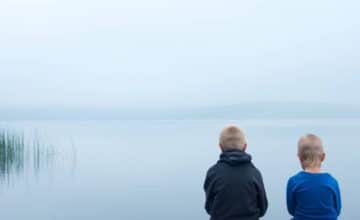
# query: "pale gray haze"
{"points": [[141, 53], [80, 79]]}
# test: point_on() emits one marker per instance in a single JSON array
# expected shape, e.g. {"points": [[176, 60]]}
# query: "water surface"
{"points": [[141, 170]]}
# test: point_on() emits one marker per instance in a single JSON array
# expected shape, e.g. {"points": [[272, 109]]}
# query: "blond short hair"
{"points": [[310, 150], [232, 137]]}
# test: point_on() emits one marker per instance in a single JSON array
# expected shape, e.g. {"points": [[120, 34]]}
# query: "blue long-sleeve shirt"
{"points": [[313, 196]]}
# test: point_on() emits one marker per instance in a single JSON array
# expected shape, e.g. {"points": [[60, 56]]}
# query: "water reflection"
{"points": [[20, 153]]}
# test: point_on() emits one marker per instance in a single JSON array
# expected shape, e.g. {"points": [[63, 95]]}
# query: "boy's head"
{"points": [[310, 151], [232, 138]]}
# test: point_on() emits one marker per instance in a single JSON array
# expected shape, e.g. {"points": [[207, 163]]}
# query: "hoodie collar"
{"points": [[234, 157]]}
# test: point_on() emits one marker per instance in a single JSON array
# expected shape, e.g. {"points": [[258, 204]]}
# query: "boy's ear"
{"points": [[300, 158], [301, 161], [221, 147], [245, 146], [323, 156]]}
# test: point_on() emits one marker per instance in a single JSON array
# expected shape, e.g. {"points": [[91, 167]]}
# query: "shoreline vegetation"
{"points": [[20, 153]]}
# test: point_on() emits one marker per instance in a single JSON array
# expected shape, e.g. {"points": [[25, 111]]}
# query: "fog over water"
{"points": [[112, 109], [150, 54]]}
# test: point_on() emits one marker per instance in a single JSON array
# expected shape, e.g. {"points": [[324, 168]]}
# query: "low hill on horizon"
{"points": [[238, 111]]}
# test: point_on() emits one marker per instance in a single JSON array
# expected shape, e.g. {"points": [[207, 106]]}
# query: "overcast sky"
{"points": [[157, 53]]}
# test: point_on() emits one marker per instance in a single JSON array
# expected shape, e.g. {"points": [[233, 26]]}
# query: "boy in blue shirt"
{"points": [[312, 194]]}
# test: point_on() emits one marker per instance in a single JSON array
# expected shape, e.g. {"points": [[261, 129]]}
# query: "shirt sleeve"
{"points": [[209, 188], [262, 198], [290, 199], [337, 199]]}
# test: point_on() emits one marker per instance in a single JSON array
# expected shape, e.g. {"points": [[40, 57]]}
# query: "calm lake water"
{"points": [[141, 170]]}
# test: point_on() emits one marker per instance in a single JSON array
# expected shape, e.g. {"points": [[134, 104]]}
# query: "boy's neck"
{"points": [[313, 170]]}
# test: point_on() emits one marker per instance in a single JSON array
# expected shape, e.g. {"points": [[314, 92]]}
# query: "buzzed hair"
{"points": [[232, 138], [310, 150]]}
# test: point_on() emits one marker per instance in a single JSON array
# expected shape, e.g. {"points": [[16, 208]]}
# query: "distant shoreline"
{"points": [[232, 112]]}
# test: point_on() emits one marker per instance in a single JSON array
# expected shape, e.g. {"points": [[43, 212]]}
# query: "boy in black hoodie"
{"points": [[234, 187]]}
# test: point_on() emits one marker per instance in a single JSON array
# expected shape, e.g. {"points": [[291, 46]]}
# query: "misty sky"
{"points": [[142, 53]]}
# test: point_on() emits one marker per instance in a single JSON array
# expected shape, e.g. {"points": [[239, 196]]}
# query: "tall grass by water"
{"points": [[12, 152], [19, 153]]}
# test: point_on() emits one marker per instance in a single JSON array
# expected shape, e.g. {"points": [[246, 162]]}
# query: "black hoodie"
{"points": [[234, 188]]}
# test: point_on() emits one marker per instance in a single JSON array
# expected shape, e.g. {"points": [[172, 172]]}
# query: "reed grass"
{"points": [[18, 153], [12, 152]]}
